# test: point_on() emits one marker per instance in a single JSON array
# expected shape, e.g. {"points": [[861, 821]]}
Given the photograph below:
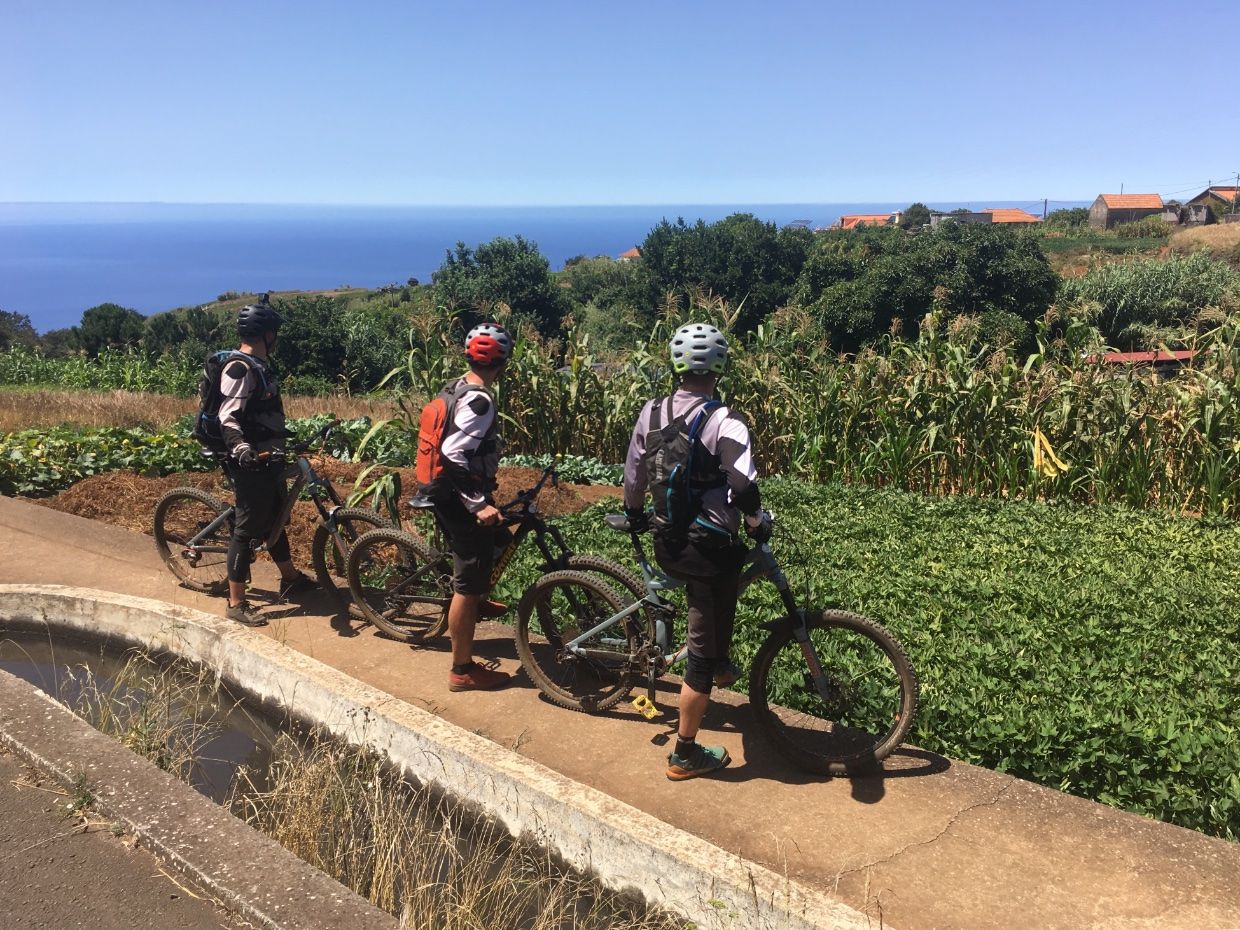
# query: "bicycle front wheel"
{"points": [[597, 672], [400, 585], [330, 551], [870, 700], [199, 558]]}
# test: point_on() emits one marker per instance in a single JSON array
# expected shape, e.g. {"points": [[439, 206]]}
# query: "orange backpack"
{"points": [[436, 417]]}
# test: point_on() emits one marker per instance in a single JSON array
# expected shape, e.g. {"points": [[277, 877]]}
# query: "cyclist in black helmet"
{"points": [[252, 421]]}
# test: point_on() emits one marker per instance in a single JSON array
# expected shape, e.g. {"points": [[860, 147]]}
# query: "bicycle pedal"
{"points": [[646, 707]]}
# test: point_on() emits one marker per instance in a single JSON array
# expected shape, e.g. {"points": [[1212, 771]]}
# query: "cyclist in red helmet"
{"points": [[470, 451]]}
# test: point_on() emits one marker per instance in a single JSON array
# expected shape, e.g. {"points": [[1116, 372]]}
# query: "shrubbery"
{"points": [[1139, 301]]}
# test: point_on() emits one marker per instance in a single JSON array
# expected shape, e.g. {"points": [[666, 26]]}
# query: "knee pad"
{"points": [[700, 673]]}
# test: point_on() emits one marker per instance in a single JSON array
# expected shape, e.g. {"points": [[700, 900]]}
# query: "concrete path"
{"points": [[64, 872], [927, 844]]}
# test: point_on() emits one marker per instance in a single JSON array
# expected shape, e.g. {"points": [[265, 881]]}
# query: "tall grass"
{"points": [[939, 415], [418, 857], [345, 811], [113, 369]]}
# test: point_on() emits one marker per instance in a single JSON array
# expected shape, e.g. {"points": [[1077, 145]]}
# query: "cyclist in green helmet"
{"points": [[693, 454]]}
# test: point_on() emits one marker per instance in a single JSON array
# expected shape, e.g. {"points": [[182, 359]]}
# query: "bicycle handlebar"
{"points": [[524, 499]]}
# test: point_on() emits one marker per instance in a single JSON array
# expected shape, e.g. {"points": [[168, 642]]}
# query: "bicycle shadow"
{"points": [[730, 713]]}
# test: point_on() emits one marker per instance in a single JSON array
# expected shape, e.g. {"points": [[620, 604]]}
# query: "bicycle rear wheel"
{"points": [[400, 585], [871, 702], [331, 563], [556, 609], [181, 515]]}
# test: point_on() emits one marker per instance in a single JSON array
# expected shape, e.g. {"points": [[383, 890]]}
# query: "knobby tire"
{"points": [[874, 696]]}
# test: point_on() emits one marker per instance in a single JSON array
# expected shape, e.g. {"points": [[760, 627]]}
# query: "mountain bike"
{"points": [[402, 582], [832, 691], [193, 528]]}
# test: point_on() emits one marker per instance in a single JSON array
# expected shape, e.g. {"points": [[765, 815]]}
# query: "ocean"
{"points": [[57, 260]]}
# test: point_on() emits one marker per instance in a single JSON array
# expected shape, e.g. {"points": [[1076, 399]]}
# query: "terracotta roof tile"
{"points": [[634, 252], [1225, 193], [853, 220], [1011, 215], [1132, 201]]}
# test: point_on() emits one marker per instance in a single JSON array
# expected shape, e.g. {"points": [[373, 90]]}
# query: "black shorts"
{"points": [[712, 577], [473, 545], [261, 494]]}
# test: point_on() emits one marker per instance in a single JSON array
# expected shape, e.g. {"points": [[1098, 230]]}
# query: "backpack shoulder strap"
{"points": [[704, 410]]}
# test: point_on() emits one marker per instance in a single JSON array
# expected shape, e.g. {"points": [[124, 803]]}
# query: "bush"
{"points": [[1142, 299]]}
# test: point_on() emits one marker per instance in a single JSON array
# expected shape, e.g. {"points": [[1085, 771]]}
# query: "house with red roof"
{"points": [[1012, 216], [1110, 209], [857, 220], [631, 254]]}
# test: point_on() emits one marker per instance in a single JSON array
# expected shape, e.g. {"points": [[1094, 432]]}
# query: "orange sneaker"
{"points": [[489, 609], [477, 678]]}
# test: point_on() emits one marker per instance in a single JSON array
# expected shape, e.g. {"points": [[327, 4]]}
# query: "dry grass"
{"points": [[1221, 241], [344, 810], [418, 857], [32, 409]]}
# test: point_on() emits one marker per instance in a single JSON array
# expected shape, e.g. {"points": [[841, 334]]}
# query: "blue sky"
{"points": [[589, 103]]}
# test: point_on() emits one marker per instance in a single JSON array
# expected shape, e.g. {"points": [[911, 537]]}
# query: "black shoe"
{"points": [[297, 585], [246, 614]]}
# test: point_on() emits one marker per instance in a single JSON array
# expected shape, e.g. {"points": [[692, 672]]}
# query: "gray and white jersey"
{"points": [[725, 435], [251, 411], [470, 447]]}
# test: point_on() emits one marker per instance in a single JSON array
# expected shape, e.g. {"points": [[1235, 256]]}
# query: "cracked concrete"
{"points": [[1023, 856]]}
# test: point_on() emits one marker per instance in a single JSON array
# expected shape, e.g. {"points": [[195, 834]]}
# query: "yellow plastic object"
{"points": [[644, 706], [1045, 462]]}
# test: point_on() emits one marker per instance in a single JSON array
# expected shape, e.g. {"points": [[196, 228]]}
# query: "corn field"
{"points": [[936, 415]]}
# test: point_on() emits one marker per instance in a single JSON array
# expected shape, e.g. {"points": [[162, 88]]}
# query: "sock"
{"points": [[462, 669], [684, 746]]}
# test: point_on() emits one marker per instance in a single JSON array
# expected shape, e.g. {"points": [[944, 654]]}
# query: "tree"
{"points": [[740, 258], [915, 217], [109, 326], [312, 344], [16, 330], [59, 343], [191, 331], [510, 271], [860, 282], [1069, 218]]}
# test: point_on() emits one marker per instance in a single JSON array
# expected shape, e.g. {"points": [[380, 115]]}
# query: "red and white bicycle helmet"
{"points": [[488, 344]]}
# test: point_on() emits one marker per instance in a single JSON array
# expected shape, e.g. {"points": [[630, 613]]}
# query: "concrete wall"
{"points": [[626, 849]]}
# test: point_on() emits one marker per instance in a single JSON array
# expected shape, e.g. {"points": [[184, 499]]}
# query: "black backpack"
{"points": [[207, 428], [678, 467]]}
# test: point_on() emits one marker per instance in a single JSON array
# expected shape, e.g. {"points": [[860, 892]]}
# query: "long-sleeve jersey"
{"points": [[251, 411], [725, 435], [470, 447]]}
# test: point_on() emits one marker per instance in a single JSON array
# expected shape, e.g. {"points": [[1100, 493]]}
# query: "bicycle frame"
{"points": [[761, 563], [303, 476]]}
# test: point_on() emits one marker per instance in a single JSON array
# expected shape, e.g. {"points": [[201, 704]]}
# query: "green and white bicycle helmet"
{"points": [[698, 348]]}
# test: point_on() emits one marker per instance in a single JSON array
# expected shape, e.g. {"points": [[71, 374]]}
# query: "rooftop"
{"points": [[1132, 201], [1011, 215]]}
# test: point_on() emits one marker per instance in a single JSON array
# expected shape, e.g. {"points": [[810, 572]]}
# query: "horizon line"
{"points": [[518, 206]]}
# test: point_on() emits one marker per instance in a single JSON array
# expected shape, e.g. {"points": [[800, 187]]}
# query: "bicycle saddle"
{"points": [[421, 502]]}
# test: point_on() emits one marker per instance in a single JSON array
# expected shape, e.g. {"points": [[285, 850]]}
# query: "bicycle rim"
{"points": [[331, 565], [871, 695], [400, 586], [180, 516], [557, 609]]}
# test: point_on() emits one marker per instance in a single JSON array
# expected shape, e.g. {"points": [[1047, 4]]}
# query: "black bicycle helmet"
{"points": [[255, 319]]}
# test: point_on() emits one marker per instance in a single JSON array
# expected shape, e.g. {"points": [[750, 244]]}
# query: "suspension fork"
{"points": [[764, 564]]}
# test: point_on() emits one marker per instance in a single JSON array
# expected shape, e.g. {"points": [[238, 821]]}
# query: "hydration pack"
{"points": [[680, 469], [437, 415], [207, 429]]}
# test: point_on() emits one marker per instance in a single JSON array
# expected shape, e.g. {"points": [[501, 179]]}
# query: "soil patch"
{"points": [[127, 499]]}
